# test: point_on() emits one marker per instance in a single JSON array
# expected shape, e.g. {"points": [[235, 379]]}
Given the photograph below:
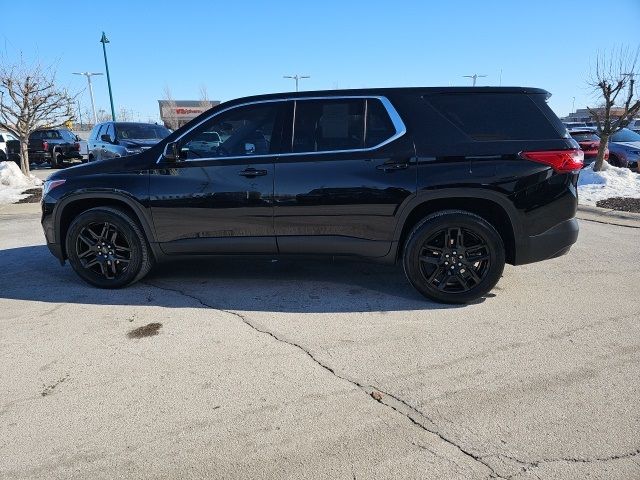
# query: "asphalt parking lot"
{"points": [[255, 368]]}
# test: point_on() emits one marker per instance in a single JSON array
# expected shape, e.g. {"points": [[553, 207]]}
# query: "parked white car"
{"points": [[4, 136]]}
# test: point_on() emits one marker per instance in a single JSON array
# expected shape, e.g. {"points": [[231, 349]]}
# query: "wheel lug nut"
{"points": [[459, 264], [460, 256], [446, 263], [452, 267]]}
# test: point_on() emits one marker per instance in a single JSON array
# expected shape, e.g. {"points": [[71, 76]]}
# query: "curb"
{"points": [[611, 217]]}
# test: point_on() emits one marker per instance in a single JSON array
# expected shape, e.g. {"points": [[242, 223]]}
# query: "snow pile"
{"points": [[13, 182], [610, 182]]}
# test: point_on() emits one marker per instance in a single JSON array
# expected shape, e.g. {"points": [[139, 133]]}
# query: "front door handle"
{"points": [[392, 166], [252, 172]]}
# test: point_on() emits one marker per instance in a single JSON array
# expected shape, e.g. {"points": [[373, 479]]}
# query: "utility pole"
{"points": [[475, 77], [80, 113], [104, 40], [93, 105], [296, 77]]}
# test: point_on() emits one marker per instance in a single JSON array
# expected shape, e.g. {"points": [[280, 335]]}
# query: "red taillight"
{"points": [[561, 160], [45, 146]]}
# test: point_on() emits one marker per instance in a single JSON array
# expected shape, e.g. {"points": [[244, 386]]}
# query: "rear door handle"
{"points": [[252, 172]]}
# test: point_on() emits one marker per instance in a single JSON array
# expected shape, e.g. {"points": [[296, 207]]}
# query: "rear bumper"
{"points": [[549, 244]]}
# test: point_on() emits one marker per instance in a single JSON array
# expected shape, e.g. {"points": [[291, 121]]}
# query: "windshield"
{"points": [[141, 131], [625, 135]]}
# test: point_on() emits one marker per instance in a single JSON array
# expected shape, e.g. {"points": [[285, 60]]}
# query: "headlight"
{"points": [[50, 185]]}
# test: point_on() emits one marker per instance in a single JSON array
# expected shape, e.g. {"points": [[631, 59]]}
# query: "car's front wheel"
{"points": [[107, 248], [453, 256]]}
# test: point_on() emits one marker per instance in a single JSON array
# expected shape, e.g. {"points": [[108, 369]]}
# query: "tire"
{"points": [[478, 255], [84, 247], [616, 162]]}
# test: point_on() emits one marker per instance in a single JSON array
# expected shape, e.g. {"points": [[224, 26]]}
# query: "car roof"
{"points": [[385, 91], [134, 123], [582, 130]]}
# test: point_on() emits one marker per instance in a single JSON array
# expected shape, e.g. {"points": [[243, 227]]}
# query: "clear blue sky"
{"points": [[242, 48]]}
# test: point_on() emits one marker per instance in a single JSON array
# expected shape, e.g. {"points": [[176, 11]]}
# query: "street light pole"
{"points": [[296, 77], [475, 77], [573, 107], [93, 105], [104, 41]]}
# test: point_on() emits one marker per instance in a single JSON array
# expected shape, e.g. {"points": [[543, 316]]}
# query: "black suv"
{"points": [[120, 139], [451, 182]]}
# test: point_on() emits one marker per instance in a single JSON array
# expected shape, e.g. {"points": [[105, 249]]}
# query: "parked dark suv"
{"points": [[451, 182], [120, 139]]}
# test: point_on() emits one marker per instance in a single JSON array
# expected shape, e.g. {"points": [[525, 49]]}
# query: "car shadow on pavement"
{"points": [[257, 283]]}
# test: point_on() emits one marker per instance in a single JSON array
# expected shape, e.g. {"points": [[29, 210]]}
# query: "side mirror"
{"points": [[171, 152], [249, 148], [105, 138]]}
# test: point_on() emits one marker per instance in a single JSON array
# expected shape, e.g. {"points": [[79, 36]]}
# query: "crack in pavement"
{"points": [[395, 403], [537, 463]]}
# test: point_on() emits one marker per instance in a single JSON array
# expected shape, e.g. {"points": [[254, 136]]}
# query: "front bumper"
{"points": [[56, 250], [549, 244]]}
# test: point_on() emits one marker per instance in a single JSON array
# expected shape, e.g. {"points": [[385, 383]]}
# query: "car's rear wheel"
{"points": [[453, 256], [616, 162], [107, 248]]}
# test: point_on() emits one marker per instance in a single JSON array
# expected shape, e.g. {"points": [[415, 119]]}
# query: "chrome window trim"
{"points": [[396, 120]]}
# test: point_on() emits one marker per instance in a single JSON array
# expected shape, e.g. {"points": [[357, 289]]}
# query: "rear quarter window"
{"points": [[495, 117]]}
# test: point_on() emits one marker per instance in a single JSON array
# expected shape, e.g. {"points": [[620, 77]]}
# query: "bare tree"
{"points": [[613, 82], [103, 115], [170, 121], [204, 97], [125, 115], [31, 99]]}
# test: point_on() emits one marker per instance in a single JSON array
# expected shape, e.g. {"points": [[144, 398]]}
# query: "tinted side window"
{"points": [[101, 130], [326, 125], [495, 117], [35, 135], [379, 125], [242, 131], [110, 132], [67, 135]]}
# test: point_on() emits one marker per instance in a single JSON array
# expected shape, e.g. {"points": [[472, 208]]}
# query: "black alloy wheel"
{"points": [[454, 257], [102, 248], [107, 248]]}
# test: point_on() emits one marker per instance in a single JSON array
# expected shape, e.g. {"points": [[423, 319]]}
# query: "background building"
{"points": [[583, 115], [175, 113]]}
